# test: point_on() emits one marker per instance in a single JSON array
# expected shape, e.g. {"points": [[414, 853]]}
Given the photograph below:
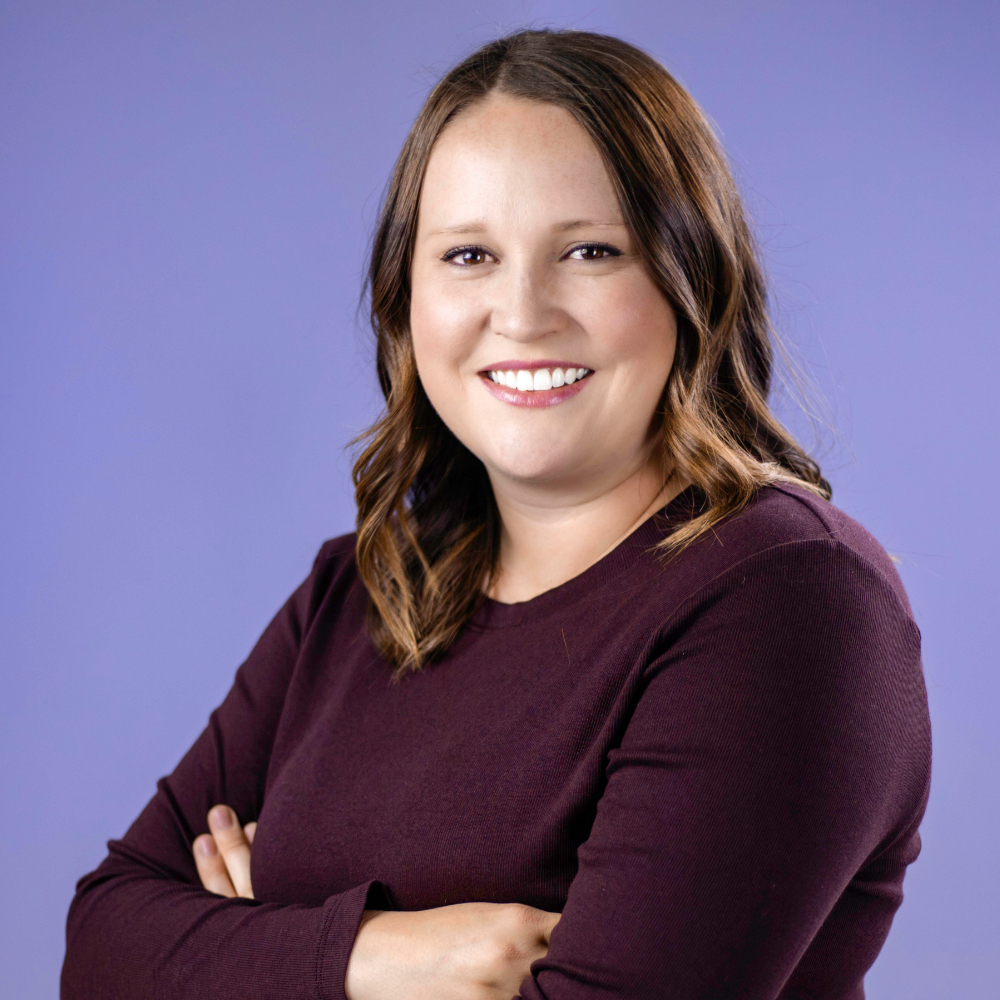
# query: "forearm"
{"points": [[134, 934], [482, 950], [435, 953], [362, 975]]}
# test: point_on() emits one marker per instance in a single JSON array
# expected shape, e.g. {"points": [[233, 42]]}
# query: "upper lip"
{"points": [[530, 365]]}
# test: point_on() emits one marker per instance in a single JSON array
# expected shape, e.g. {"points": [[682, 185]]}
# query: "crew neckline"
{"points": [[493, 614]]}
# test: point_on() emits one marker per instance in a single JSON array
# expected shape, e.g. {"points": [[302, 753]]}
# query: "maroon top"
{"points": [[714, 768]]}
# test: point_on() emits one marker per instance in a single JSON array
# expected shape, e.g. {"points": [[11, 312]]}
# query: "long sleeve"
{"points": [[764, 799], [714, 770], [141, 927]]}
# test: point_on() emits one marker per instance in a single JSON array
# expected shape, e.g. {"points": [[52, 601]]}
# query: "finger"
{"points": [[249, 830], [542, 922], [233, 846], [211, 867]]}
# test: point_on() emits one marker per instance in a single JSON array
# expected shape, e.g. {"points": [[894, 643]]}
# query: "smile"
{"points": [[535, 386], [537, 379]]}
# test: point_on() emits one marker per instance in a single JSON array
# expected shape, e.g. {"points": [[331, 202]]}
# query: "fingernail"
{"points": [[207, 847], [223, 817]]}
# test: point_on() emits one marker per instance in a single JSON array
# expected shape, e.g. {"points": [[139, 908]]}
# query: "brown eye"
{"points": [[594, 251], [466, 256]]}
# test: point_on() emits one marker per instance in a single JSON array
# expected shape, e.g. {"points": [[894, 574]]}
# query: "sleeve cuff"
{"points": [[337, 934]]}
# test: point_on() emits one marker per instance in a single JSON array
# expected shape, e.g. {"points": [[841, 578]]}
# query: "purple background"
{"points": [[187, 189]]}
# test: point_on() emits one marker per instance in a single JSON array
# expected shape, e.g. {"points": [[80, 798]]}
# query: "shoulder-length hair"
{"points": [[428, 527]]}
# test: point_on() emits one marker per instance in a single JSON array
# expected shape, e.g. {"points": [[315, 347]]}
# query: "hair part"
{"points": [[428, 527]]}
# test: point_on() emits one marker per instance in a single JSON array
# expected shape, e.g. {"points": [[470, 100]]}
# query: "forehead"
{"points": [[504, 154]]}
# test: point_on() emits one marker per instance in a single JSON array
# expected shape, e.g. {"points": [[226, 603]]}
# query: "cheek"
{"points": [[443, 333], [638, 330], [442, 327]]}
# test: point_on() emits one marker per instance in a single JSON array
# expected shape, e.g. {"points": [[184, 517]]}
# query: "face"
{"points": [[540, 338]]}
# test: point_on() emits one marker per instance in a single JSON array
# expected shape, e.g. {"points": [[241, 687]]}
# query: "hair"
{"points": [[428, 527]]}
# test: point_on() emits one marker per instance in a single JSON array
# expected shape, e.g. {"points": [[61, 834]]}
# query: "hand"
{"points": [[222, 857], [466, 951]]}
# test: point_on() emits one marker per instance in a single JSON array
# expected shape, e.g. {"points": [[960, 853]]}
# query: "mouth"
{"points": [[539, 383]]}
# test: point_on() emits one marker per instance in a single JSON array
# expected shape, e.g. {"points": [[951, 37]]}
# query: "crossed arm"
{"points": [[467, 951], [728, 864]]}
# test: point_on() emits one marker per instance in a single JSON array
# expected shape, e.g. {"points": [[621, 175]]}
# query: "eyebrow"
{"points": [[561, 227], [464, 227], [585, 224]]}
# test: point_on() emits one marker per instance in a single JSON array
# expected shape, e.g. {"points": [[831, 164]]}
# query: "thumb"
{"points": [[548, 922]]}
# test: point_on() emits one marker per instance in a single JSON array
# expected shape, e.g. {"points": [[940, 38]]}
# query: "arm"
{"points": [[146, 925], [142, 926], [779, 742], [467, 951]]}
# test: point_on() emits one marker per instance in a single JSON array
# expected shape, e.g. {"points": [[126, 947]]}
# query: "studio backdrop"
{"points": [[187, 193]]}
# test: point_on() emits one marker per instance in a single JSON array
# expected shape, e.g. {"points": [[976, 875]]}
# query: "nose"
{"points": [[525, 309]]}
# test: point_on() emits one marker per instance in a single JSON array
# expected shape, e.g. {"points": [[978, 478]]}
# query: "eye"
{"points": [[594, 251], [466, 256]]}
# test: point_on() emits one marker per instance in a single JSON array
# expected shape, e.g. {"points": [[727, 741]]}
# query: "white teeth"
{"points": [[527, 380], [541, 379]]}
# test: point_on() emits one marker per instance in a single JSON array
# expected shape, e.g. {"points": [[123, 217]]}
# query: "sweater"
{"points": [[713, 766]]}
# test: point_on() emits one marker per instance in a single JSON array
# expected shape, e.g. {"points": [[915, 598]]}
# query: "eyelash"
{"points": [[606, 247]]}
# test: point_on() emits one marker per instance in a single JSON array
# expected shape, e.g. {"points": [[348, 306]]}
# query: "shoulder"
{"points": [[335, 564], [793, 594], [788, 538], [334, 575], [337, 552], [788, 513], [791, 619]]}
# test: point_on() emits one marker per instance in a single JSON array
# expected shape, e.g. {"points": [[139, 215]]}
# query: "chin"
{"points": [[537, 469]]}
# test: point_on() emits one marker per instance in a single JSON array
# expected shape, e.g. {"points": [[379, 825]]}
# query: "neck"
{"points": [[547, 540]]}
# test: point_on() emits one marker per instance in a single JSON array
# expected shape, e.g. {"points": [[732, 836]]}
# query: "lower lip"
{"points": [[539, 397]]}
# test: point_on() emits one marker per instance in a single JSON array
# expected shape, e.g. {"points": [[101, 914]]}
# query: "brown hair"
{"points": [[428, 526]]}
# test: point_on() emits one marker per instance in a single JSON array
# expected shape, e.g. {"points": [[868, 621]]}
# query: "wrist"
{"points": [[362, 964]]}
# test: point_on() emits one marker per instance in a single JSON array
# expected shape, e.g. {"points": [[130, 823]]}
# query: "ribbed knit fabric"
{"points": [[714, 768]]}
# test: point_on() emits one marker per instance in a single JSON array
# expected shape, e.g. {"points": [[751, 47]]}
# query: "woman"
{"points": [[604, 698]]}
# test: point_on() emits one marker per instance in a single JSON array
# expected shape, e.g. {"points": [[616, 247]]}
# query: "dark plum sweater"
{"points": [[713, 767]]}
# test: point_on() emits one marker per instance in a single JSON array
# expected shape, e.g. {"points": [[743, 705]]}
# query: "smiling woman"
{"points": [[559, 192], [543, 294], [604, 699]]}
